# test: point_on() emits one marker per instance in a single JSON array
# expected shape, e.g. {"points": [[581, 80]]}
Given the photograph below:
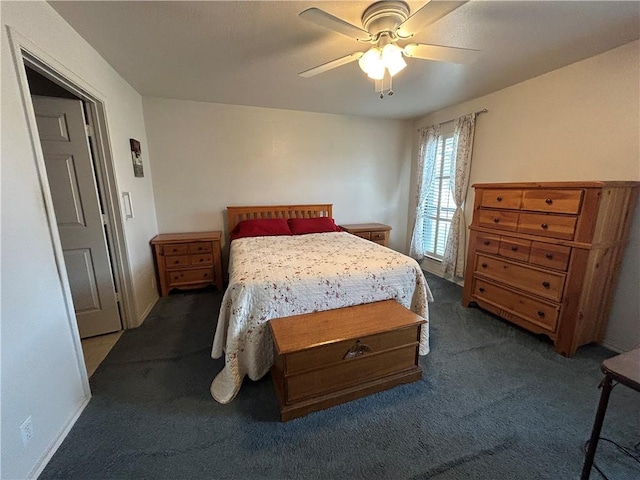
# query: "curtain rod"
{"points": [[484, 110]]}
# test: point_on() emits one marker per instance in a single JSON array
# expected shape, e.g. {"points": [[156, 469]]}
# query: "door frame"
{"points": [[26, 53]]}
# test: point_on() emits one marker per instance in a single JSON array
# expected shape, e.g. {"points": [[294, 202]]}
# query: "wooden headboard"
{"points": [[236, 214]]}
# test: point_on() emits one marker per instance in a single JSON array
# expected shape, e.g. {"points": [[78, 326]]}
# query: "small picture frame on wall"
{"points": [[136, 157]]}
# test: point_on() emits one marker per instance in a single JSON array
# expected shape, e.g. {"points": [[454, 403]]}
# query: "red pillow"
{"points": [[261, 227], [299, 226]]}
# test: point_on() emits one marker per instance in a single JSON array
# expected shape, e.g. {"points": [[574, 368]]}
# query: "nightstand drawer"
{"points": [[175, 249], [177, 261], [200, 247], [206, 259], [200, 275], [375, 232], [378, 236]]}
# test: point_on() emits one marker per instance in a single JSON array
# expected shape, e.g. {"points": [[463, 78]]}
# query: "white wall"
{"points": [[42, 375], [207, 156], [580, 122]]}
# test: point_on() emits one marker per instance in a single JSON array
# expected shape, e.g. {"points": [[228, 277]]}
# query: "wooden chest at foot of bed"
{"points": [[326, 358]]}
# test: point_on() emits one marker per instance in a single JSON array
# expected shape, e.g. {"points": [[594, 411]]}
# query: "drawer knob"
{"points": [[357, 350], [544, 226], [514, 248], [499, 199], [201, 260], [548, 201], [546, 284], [175, 249], [486, 242], [176, 262], [549, 256], [205, 275], [541, 314], [496, 219], [484, 265], [481, 289]]}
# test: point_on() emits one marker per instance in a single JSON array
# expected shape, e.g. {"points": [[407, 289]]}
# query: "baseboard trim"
{"points": [[53, 447], [457, 281], [146, 313], [612, 347]]}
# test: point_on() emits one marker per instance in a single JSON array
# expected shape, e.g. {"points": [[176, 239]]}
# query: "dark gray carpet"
{"points": [[495, 402]]}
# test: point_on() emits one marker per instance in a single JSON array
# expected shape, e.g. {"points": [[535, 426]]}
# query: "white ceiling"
{"points": [[250, 52]]}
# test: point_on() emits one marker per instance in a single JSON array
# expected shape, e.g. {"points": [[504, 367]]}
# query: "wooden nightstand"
{"points": [[188, 260], [376, 232]]}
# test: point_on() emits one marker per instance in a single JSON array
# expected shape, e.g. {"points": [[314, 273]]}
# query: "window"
{"points": [[440, 204]]}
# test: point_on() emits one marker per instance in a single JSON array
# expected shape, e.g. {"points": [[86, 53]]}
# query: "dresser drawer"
{"points": [[175, 249], [515, 248], [350, 372], [177, 261], [556, 201], [198, 275], [540, 313], [545, 284], [509, 199], [487, 243], [550, 255], [546, 225], [200, 247], [499, 220], [336, 352]]}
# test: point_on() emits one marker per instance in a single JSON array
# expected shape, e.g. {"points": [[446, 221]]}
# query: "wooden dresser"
{"points": [[188, 260], [546, 255], [376, 232], [326, 358]]}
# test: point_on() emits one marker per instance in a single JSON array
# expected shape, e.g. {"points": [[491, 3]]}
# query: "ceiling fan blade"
{"points": [[425, 16], [338, 62], [324, 19], [440, 54]]}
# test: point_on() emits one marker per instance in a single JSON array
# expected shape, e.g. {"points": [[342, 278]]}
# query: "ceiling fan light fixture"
{"points": [[371, 62], [377, 73], [385, 22], [392, 58]]}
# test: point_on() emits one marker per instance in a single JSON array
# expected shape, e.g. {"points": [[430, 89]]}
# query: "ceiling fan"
{"points": [[385, 23]]}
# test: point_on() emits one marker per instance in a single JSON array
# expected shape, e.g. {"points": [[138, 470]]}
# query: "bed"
{"points": [[282, 275]]}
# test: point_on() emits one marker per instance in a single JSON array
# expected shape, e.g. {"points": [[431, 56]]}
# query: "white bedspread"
{"points": [[272, 277]]}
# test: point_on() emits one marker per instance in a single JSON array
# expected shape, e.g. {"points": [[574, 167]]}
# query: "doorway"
{"points": [[65, 134], [79, 189]]}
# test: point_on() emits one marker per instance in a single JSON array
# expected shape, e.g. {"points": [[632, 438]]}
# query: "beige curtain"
{"points": [[454, 252], [427, 149]]}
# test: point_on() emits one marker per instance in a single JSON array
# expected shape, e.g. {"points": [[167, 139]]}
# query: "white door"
{"points": [[67, 156]]}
